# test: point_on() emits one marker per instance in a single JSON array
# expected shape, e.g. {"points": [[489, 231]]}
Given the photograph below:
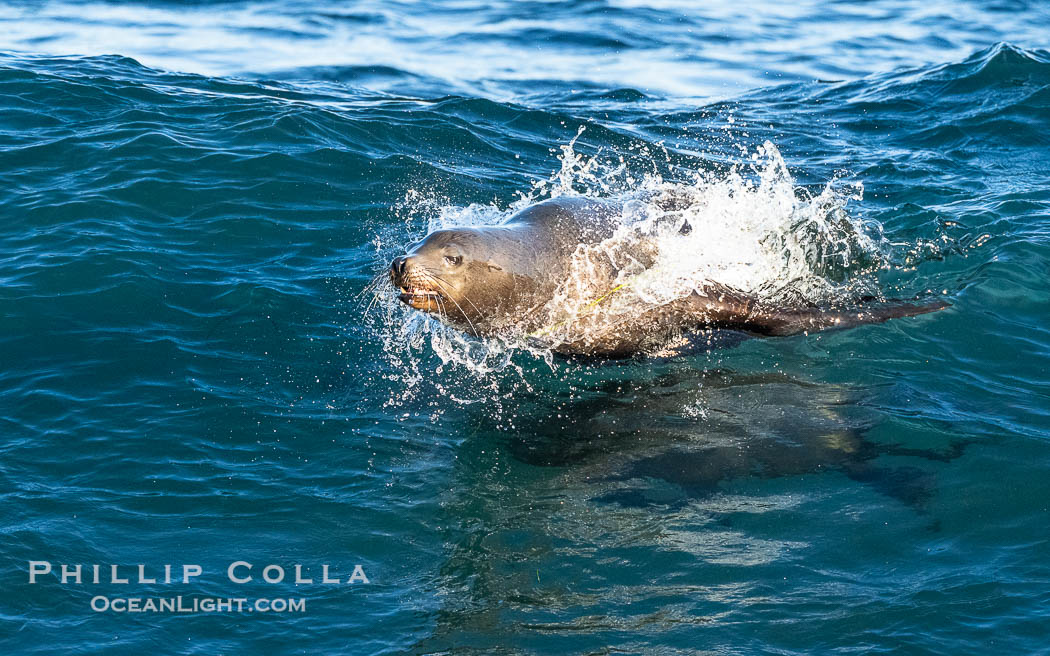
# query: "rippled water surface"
{"points": [[196, 368]]}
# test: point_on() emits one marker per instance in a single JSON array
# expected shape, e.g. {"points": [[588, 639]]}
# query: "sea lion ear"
{"points": [[493, 266]]}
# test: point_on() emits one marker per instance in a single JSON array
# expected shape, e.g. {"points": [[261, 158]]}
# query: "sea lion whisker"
{"points": [[372, 303], [435, 278], [373, 290], [469, 322], [442, 312], [441, 308], [465, 297], [371, 286]]}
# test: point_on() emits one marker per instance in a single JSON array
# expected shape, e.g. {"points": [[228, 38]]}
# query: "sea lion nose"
{"points": [[397, 267]]}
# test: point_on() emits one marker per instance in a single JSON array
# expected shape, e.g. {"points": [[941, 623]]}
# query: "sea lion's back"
{"points": [[570, 221]]}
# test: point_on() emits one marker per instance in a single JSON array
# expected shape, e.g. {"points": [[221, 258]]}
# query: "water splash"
{"points": [[752, 229]]}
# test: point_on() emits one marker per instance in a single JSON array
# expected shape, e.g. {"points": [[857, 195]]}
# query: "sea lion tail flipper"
{"points": [[736, 311], [794, 321]]}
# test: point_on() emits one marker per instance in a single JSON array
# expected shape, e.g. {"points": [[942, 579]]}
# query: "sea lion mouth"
{"points": [[419, 298]]}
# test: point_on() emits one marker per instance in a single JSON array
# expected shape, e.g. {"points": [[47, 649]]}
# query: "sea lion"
{"points": [[498, 280]]}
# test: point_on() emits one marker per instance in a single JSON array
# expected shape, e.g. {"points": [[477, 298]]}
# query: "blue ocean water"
{"points": [[197, 195]]}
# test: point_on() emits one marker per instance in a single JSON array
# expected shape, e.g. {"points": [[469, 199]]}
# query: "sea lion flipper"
{"points": [[737, 311], [791, 322]]}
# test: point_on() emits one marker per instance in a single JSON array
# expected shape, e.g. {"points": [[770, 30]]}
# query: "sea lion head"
{"points": [[458, 274]]}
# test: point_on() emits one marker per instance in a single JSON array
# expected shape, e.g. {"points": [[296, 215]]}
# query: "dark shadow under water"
{"points": [[645, 458], [700, 430]]}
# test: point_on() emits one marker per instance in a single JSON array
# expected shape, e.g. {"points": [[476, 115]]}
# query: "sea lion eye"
{"points": [[453, 260]]}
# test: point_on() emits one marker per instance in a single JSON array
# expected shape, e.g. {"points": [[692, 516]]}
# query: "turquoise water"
{"points": [[197, 195]]}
